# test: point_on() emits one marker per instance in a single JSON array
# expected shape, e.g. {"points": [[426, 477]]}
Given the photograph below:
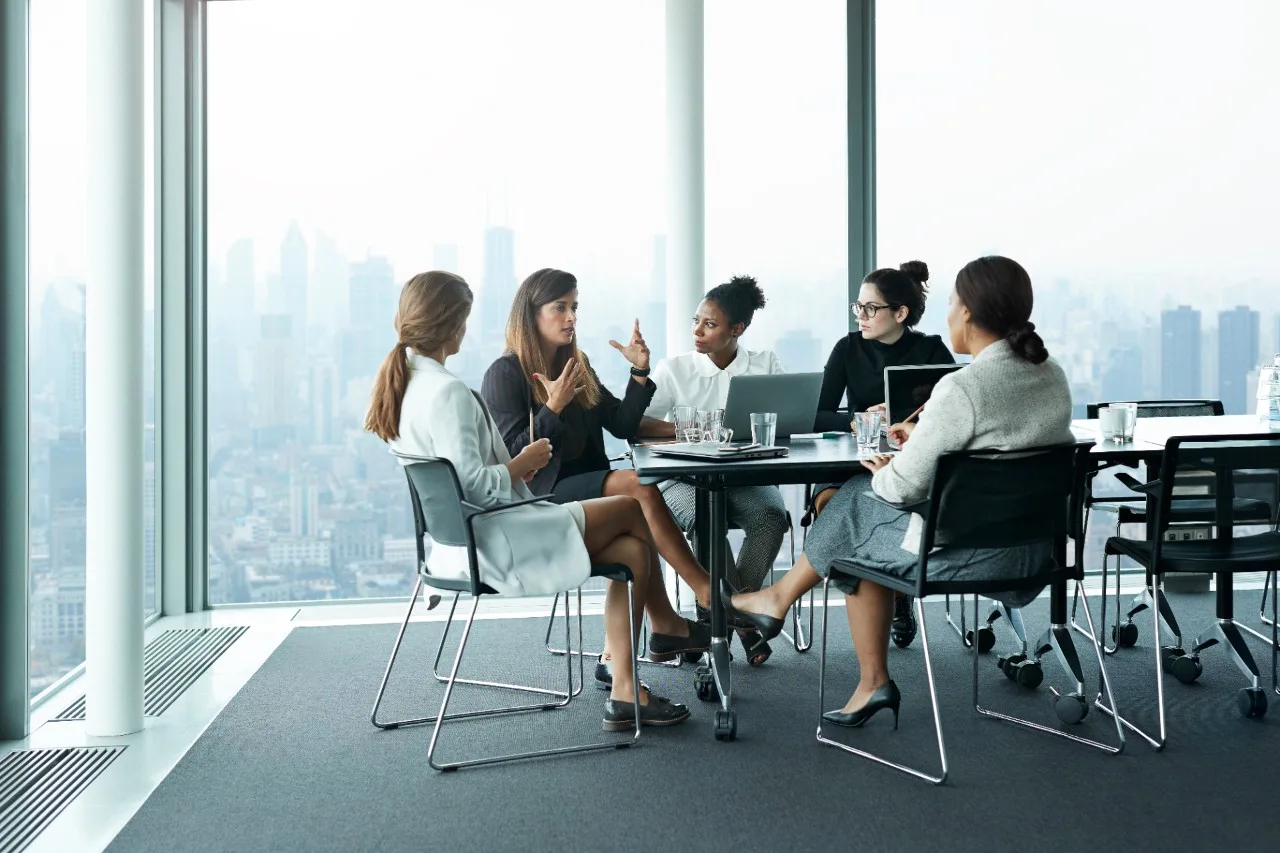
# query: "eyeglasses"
{"points": [[870, 308]]}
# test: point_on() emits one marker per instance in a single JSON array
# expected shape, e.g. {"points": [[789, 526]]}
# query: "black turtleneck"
{"points": [[855, 371]]}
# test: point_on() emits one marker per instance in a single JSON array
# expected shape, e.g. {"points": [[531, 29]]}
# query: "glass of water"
{"points": [[867, 427], [709, 423], [764, 428], [1116, 422], [685, 419]]}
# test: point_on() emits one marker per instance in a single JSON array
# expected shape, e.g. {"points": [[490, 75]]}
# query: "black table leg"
{"points": [[716, 526]]}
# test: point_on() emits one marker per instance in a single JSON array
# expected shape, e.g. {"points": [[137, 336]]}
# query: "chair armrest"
{"points": [[1131, 482]]}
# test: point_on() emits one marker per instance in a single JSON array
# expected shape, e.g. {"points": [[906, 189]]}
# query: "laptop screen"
{"points": [[907, 387]]}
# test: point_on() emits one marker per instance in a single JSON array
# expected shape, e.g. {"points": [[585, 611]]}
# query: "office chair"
{"points": [[1222, 457], [990, 499], [440, 510], [1133, 508]]}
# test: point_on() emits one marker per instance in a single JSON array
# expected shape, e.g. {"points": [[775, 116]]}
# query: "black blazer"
{"points": [[856, 370], [577, 440]]}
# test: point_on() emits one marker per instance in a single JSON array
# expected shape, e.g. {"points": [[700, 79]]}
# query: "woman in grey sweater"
{"points": [[1011, 396]]}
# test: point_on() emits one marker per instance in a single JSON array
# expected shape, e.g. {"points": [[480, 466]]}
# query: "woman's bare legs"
{"points": [[666, 534], [776, 599], [870, 610], [613, 518], [821, 499]]}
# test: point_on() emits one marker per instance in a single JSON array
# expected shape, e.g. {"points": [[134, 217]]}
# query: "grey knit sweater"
{"points": [[999, 401]]}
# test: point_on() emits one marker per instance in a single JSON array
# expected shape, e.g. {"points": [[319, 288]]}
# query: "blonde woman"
{"points": [[421, 409]]}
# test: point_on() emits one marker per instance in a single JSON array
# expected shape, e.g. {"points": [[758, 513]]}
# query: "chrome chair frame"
{"points": [[1224, 631], [465, 515], [1057, 638]]}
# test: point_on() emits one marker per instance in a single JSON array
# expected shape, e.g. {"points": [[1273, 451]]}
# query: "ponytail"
{"points": [[383, 418], [1027, 344]]}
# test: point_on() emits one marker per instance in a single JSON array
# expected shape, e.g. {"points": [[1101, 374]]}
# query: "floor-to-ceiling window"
{"points": [[58, 148], [1120, 151], [489, 138]]}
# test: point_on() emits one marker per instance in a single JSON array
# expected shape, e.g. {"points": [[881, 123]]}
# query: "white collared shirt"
{"points": [[692, 379]]}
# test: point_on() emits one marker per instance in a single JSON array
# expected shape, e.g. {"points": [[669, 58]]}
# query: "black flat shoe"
{"points": [[886, 697], [604, 676], [667, 646], [766, 625], [621, 716]]}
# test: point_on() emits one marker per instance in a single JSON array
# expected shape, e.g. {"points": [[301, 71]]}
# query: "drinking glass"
{"points": [[867, 427], [685, 419], [764, 428], [1111, 423], [1130, 421], [709, 423]]}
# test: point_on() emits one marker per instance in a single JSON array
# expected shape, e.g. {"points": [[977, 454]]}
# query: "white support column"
{"points": [[113, 373], [686, 185]]}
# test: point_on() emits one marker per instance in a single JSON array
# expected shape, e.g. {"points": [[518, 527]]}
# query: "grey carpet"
{"points": [[293, 763]]}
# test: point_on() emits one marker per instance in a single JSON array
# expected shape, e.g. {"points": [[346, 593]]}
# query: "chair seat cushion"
{"points": [[1242, 554]]}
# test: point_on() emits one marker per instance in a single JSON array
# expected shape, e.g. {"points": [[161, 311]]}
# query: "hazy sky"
{"points": [[1130, 142]]}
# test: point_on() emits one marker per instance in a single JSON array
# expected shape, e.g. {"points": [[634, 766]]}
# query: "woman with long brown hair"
{"points": [[543, 387], [421, 409]]}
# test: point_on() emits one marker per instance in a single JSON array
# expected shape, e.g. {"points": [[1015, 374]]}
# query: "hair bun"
{"points": [[918, 271], [750, 290], [1027, 343]]}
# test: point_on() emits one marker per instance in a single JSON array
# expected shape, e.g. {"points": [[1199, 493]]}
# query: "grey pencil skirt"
{"points": [[857, 525]]}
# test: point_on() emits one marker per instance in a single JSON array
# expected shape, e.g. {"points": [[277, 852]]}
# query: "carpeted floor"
{"points": [[293, 763]]}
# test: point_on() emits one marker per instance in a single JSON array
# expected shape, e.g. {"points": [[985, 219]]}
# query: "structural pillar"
{"points": [[686, 183], [15, 521], [113, 373]]}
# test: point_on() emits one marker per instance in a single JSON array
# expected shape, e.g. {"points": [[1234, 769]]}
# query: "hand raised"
{"points": [[561, 391], [636, 351]]}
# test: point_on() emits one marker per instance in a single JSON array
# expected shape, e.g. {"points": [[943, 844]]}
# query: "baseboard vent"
{"points": [[171, 663], [37, 784]]}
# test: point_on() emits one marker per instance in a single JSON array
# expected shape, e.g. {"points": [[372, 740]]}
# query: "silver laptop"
{"points": [[792, 396], [908, 386]]}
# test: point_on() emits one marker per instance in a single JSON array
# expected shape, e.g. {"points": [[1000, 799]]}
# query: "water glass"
{"points": [[867, 427], [685, 419], [764, 428], [709, 423], [1116, 422]]}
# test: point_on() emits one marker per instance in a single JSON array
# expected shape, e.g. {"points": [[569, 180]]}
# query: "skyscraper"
{"points": [[1275, 337], [326, 402], [275, 382], [239, 293], [327, 298], [1180, 353], [655, 314], [293, 285], [372, 297], [1238, 347], [499, 282], [304, 505]]}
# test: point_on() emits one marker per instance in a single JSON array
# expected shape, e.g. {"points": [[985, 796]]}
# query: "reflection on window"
{"points": [[490, 139], [57, 298]]}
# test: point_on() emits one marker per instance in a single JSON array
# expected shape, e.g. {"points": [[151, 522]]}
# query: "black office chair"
{"points": [[439, 509], [990, 499], [1191, 509], [1226, 554]]}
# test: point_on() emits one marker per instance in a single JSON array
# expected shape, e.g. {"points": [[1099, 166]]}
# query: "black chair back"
{"points": [[1001, 498], [1165, 408], [1221, 457]]}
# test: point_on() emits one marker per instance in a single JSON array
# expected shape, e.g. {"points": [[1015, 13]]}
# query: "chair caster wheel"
{"points": [[1125, 635], [1182, 666], [726, 725], [1252, 702], [704, 684], [986, 639], [1071, 708], [1021, 670]]}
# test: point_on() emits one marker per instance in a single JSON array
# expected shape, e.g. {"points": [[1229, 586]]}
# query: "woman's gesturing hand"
{"points": [[560, 392], [636, 351]]}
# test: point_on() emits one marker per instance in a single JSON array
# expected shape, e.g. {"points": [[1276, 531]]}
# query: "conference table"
{"points": [[818, 460]]}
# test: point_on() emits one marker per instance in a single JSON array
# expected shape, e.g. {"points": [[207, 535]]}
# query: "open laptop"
{"points": [[908, 386], [792, 396]]}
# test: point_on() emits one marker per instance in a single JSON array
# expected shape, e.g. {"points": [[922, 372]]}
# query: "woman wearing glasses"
{"points": [[890, 305]]}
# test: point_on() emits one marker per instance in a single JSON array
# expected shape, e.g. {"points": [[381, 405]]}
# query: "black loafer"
{"points": [[604, 677], [667, 646], [621, 716], [766, 625]]}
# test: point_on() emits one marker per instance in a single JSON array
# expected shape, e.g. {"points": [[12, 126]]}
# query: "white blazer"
{"points": [[528, 550]]}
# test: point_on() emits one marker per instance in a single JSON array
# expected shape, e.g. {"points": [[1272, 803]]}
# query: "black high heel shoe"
{"points": [[766, 625], [886, 697]]}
